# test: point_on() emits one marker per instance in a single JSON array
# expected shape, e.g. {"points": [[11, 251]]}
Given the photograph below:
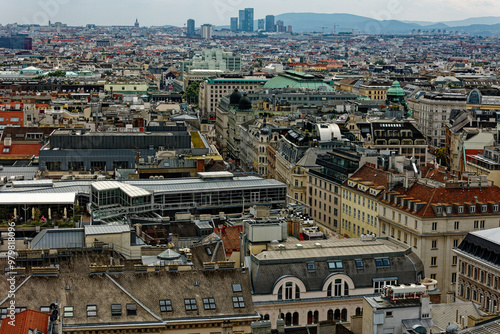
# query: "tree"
{"points": [[441, 156], [191, 93]]}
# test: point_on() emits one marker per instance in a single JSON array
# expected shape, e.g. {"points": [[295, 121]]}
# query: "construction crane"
{"points": [[327, 26]]}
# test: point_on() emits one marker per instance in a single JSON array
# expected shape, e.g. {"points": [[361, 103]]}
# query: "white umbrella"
{"points": [[65, 213], [50, 214]]}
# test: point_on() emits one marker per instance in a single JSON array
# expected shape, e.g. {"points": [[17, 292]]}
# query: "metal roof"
{"points": [[64, 237], [105, 229], [33, 198], [128, 189], [27, 172]]}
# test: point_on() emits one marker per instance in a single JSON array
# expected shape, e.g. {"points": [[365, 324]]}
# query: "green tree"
{"points": [[57, 73], [441, 156], [191, 93]]}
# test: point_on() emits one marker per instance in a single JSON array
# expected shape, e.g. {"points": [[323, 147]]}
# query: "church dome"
{"points": [[396, 90], [235, 97], [245, 103]]}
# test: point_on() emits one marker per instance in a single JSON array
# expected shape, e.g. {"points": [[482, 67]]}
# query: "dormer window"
{"points": [[472, 209], [495, 207], [461, 209], [484, 208], [448, 210], [439, 210]]}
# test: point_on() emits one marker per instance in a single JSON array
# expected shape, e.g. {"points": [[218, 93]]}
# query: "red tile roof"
{"points": [[21, 149], [25, 321], [449, 196]]}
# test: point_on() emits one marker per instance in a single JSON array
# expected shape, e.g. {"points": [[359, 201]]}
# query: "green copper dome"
{"points": [[395, 90]]}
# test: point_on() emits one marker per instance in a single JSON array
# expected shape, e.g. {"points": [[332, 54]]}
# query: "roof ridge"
{"points": [[429, 201], [134, 298]]}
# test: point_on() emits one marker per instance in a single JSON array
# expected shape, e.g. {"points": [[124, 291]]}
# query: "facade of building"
{"points": [[432, 111], [207, 31], [326, 280], [374, 90], [212, 90], [190, 27], [269, 23], [360, 201], [434, 216], [479, 269]]}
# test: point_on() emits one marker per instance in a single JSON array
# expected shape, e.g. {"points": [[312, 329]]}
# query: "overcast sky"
{"points": [[218, 12]]}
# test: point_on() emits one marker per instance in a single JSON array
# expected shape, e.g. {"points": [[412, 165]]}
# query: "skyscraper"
{"points": [[234, 24], [269, 22], [249, 19], [261, 24], [190, 27], [241, 23], [206, 31]]}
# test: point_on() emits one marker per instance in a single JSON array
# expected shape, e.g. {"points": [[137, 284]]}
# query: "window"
{"points": [[165, 305], [237, 287], [238, 302], [456, 226], [476, 224], [454, 260], [311, 267], [388, 314], [209, 303], [481, 224], [116, 310], [434, 261], [131, 309], [68, 312], [190, 304], [45, 309], [382, 262], [359, 264], [455, 243], [91, 311], [335, 265], [434, 244], [433, 276], [453, 277], [434, 226], [14, 119]]}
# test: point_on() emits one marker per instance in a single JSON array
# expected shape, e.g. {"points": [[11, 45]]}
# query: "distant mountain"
{"points": [[479, 29], [486, 20], [310, 22]]}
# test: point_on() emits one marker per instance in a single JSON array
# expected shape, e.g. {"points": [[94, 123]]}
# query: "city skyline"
{"points": [[219, 12]]}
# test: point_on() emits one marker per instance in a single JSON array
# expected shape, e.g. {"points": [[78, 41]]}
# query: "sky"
{"points": [[219, 12]]}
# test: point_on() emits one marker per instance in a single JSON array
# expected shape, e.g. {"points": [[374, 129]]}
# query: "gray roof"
{"points": [[489, 327], [64, 237], [492, 235], [159, 186], [309, 158], [27, 172], [270, 266], [105, 229]]}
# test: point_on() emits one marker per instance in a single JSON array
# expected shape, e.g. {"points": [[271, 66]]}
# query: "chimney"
{"points": [[280, 325]]}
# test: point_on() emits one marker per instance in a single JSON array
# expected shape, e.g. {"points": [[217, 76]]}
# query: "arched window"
{"points": [[359, 311], [316, 317], [309, 317], [295, 319], [336, 315], [266, 316], [288, 319], [329, 315], [338, 285], [343, 316], [289, 288]]}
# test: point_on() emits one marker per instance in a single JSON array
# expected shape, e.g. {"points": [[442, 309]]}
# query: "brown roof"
{"points": [[429, 195], [24, 321], [367, 173], [76, 287]]}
